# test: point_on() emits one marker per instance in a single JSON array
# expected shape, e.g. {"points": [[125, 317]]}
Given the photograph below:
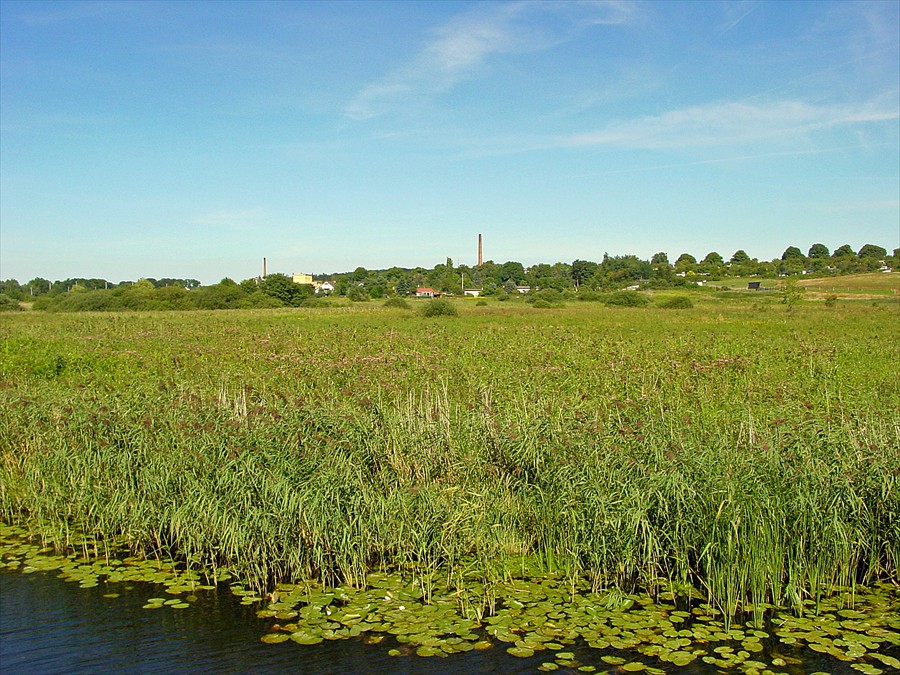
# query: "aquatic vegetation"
{"points": [[541, 618], [738, 459]]}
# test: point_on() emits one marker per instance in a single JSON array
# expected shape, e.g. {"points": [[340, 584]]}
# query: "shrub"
{"points": [[589, 295], [541, 304], [259, 300], [831, 301], [548, 295], [439, 307], [481, 303], [358, 294], [315, 302], [398, 303], [678, 302], [7, 304], [626, 299]]}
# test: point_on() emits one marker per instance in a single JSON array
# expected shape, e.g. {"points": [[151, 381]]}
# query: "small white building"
{"points": [[472, 292]]}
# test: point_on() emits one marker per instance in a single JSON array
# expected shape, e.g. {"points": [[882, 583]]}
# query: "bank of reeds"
{"points": [[604, 446]]}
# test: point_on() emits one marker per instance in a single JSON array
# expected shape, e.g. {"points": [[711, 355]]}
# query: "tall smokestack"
{"points": [[479, 251], [264, 268]]}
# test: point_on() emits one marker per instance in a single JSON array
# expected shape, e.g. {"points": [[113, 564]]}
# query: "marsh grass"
{"points": [[753, 457]]}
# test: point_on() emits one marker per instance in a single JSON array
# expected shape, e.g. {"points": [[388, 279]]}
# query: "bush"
{"points": [[7, 304], [358, 294], [589, 295], [481, 303], [259, 300], [315, 302], [678, 302], [626, 299], [439, 307], [548, 295], [541, 304], [398, 303]]}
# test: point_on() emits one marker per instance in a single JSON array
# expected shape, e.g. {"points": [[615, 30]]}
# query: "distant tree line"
{"points": [[501, 279]]}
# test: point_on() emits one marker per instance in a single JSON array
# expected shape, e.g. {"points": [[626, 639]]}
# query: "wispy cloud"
{"points": [[735, 12], [732, 123], [461, 47], [734, 158]]}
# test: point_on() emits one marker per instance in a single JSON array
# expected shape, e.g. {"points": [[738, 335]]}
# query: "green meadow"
{"points": [[740, 453]]}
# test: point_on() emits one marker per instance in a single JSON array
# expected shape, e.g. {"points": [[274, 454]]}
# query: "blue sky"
{"points": [[192, 139]]}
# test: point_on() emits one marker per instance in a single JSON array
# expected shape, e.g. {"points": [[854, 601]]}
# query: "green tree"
{"points": [[283, 288], [660, 258], [818, 251], [740, 257], [11, 289], [582, 270], [512, 271], [357, 293], [685, 263], [38, 286], [404, 286], [792, 253], [872, 251], [250, 285], [843, 251]]}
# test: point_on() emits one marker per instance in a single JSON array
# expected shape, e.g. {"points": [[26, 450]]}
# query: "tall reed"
{"points": [[751, 456]]}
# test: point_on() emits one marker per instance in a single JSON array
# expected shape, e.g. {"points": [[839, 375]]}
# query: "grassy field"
{"points": [[745, 450], [859, 286], [876, 283]]}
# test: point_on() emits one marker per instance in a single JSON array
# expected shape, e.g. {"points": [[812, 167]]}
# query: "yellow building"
{"points": [[300, 278]]}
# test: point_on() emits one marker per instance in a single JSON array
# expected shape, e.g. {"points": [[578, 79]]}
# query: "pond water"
{"points": [[51, 626]]}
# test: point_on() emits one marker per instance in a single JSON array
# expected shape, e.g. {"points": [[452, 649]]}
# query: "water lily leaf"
{"points": [[889, 661], [275, 638], [306, 638]]}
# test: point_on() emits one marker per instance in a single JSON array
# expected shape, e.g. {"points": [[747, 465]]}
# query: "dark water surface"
{"points": [[51, 626]]}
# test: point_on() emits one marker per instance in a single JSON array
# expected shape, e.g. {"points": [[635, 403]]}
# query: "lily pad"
{"points": [[275, 638]]}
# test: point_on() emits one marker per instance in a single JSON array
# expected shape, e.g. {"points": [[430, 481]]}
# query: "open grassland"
{"points": [[748, 451], [873, 284], [858, 286]]}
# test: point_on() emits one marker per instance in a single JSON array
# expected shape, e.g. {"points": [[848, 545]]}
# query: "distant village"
{"points": [[484, 278]]}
